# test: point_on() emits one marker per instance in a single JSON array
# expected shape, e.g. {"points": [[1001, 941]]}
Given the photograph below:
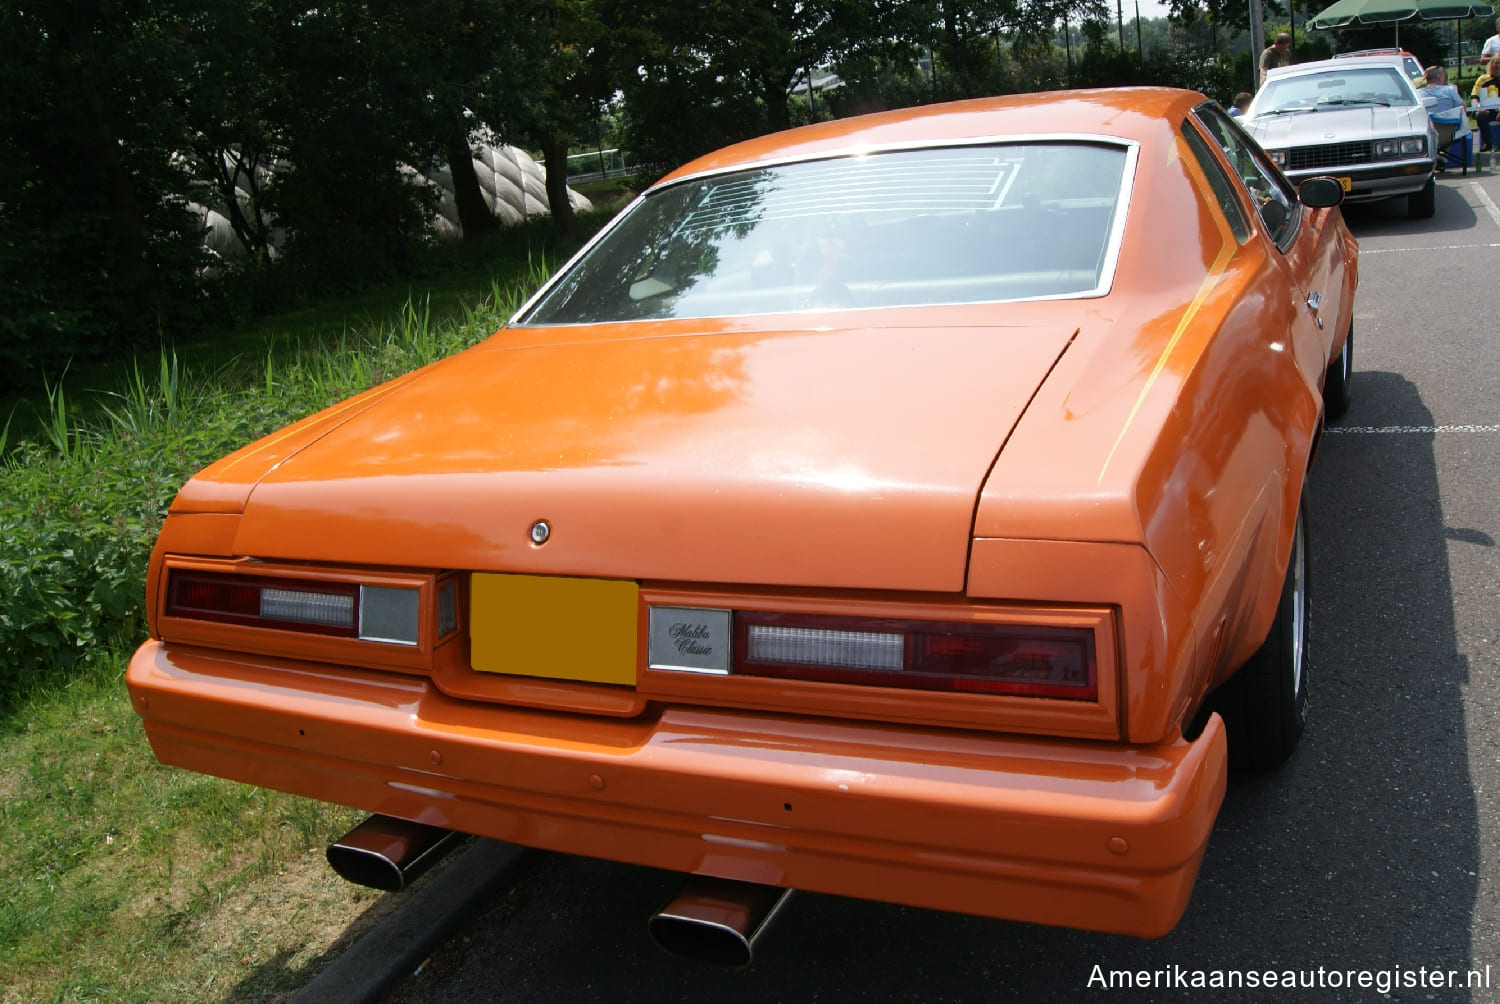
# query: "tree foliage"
{"points": [[97, 248]]}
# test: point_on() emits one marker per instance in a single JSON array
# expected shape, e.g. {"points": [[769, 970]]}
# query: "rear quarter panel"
{"points": [[1182, 419]]}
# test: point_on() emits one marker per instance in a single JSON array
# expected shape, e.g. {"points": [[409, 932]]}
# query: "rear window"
{"points": [[952, 225]]}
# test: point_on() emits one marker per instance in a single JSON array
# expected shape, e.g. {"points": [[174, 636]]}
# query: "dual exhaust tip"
{"points": [[387, 853], [717, 920], [710, 920]]}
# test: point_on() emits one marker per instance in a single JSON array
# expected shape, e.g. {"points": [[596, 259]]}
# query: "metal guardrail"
{"points": [[613, 174]]}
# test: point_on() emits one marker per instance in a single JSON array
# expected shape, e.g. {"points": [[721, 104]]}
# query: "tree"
{"points": [[230, 142], [349, 114], [712, 72], [98, 248], [466, 53]]}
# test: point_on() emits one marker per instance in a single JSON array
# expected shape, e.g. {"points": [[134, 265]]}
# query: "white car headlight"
{"points": [[1404, 146]]}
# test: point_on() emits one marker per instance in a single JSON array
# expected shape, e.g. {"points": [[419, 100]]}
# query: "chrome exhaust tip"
{"points": [[387, 853], [716, 920]]}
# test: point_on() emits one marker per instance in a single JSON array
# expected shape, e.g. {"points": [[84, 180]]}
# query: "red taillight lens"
{"points": [[191, 595], [1035, 661], [330, 608]]}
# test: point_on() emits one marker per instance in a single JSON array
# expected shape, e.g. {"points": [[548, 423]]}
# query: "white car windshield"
{"points": [[951, 225], [1383, 86]]}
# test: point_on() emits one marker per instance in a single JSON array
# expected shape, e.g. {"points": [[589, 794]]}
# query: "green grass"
{"points": [[446, 281], [121, 879], [124, 880]]}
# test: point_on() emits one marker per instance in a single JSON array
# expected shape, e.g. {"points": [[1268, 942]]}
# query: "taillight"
{"points": [[986, 658], [340, 609]]}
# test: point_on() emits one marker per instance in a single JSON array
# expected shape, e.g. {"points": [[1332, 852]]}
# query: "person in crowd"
{"points": [[1443, 100], [1242, 104], [1491, 45], [1278, 53], [1487, 88], [1439, 95]]}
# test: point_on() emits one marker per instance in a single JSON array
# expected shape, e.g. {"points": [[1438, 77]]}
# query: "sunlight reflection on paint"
{"points": [[851, 481]]}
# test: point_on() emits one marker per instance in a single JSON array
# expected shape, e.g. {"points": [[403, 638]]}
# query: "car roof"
{"points": [[1130, 113], [1394, 60], [1410, 64], [1373, 52]]}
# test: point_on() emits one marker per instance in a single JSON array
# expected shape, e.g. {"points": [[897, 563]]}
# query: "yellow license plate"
{"points": [[555, 627], [1348, 183]]}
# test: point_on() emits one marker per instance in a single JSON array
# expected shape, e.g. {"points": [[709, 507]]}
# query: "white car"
{"points": [[1357, 119]]}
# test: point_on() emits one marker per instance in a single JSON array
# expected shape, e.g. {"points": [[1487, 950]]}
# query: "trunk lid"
{"points": [[849, 457]]}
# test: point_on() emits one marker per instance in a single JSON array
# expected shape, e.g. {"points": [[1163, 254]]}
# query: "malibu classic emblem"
{"points": [[690, 640]]}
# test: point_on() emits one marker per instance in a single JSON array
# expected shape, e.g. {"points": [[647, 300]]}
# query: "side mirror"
{"points": [[1320, 193]]}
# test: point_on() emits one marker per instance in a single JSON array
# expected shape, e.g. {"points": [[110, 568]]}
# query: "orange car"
{"points": [[907, 507]]}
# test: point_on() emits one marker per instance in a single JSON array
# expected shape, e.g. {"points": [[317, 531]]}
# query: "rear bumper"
{"points": [[1081, 834]]}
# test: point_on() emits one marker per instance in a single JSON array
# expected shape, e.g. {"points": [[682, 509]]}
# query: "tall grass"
{"points": [[143, 408], [57, 422]]}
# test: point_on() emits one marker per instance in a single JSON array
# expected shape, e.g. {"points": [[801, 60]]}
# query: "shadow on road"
{"points": [[1454, 214]]}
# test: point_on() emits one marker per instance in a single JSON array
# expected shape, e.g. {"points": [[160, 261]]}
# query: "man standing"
{"points": [[1278, 53], [1491, 45]]}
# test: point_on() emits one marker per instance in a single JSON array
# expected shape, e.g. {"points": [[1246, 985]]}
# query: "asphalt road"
{"points": [[1375, 849]]}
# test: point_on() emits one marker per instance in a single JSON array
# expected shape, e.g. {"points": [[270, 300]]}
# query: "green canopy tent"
{"points": [[1344, 13]]}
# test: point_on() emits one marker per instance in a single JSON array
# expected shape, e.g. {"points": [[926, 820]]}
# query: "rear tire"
{"points": [[1421, 205], [1264, 705], [1336, 380]]}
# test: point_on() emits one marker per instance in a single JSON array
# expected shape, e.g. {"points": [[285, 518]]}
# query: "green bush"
{"points": [[75, 533]]}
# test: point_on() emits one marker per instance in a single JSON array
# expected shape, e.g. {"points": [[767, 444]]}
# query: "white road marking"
{"points": [[1441, 247], [1487, 202], [1407, 430]]}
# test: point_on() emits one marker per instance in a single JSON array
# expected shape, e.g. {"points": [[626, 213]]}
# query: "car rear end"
{"points": [[700, 589]]}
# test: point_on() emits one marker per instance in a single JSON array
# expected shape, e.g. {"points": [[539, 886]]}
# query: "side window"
{"points": [[1269, 191], [1226, 193]]}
